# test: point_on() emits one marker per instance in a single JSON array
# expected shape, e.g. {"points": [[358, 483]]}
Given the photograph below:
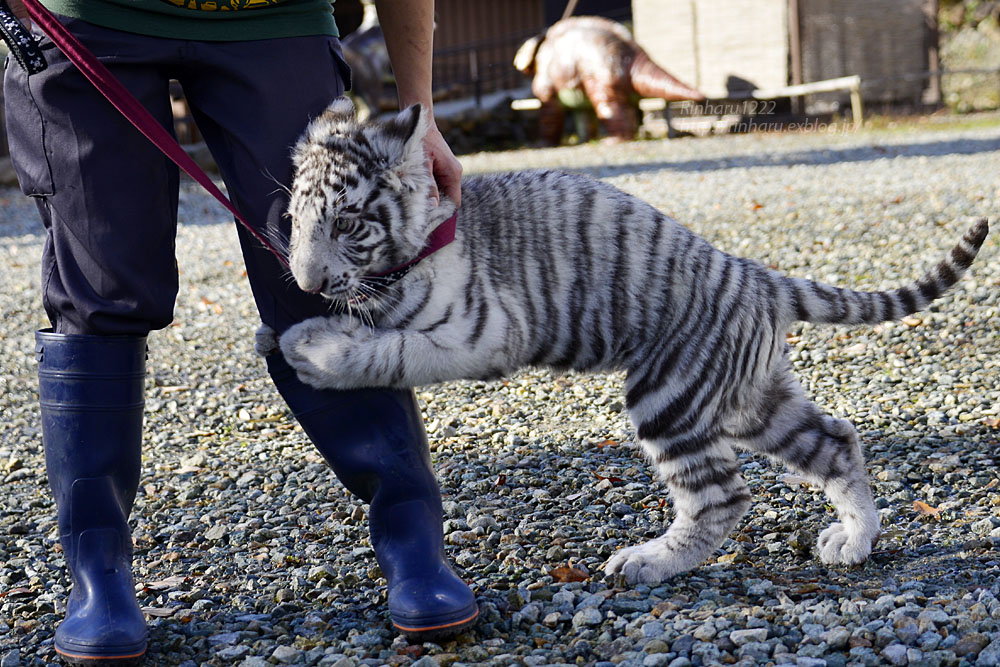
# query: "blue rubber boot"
{"points": [[91, 392], [375, 442]]}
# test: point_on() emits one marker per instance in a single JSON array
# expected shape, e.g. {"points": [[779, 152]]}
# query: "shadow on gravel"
{"points": [[215, 214], [821, 156]]}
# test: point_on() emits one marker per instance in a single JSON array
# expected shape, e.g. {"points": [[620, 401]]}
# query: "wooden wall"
{"points": [[886, 42], [475, 42]]}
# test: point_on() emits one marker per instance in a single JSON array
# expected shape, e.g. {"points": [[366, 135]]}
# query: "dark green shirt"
{"points": [[212, 20]]}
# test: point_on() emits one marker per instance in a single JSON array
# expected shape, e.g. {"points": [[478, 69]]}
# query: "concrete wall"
{"points": [[712, 43]]}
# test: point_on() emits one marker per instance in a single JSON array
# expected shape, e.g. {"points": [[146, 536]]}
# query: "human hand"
{"points": [[20, 11], [444, 166]]}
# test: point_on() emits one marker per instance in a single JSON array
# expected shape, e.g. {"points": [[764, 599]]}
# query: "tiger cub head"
{"points": [[360, 199]]}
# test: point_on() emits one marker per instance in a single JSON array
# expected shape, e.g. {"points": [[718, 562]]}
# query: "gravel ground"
{"points": [[249, 552]]}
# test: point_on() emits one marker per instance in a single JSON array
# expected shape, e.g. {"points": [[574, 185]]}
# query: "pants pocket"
{"points": [[26, 134], [343, 69]]}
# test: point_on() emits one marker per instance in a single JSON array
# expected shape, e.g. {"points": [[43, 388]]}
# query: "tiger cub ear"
{"points": [[409, 169], [342, 107], [335, 119], [340, 111]]}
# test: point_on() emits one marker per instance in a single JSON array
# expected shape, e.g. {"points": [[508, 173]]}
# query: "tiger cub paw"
{"points": [[265, 341], [319, 349], [839, 546], [648, 563]]}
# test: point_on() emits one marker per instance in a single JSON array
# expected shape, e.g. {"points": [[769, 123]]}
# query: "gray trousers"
{"points": [[108, 197]]}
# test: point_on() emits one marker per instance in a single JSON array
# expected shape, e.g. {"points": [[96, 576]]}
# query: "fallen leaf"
{"points": [[413, 650], [663, 607], [805, 589], [606, 443], [567, 573], [613, 480], [16, 592], [925, 509], [501, 480], [208, 303]]}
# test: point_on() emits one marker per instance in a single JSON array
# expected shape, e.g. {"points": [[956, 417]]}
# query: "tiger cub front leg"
{"points": [[322, 352], [342, 353]]}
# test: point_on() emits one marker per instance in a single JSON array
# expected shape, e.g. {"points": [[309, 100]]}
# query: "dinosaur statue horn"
{"points": [[651, 80]]}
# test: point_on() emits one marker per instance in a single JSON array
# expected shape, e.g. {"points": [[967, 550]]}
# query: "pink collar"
{"points": [[441, 236]]}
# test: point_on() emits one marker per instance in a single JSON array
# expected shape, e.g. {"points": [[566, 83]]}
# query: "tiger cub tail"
{"points": [[820, 303]]}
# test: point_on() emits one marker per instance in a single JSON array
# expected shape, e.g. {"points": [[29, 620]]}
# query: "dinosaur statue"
{"points": [[596, 57]]}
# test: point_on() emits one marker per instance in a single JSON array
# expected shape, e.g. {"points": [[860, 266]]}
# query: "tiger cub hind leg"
{"points": [[825, 450], [709, 498]]}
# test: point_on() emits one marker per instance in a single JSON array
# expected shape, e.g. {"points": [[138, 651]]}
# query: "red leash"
{"points": [[135, 113]]}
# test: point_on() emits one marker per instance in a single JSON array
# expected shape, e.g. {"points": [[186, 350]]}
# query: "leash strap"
{"points": [[125, 102], [22, 46]]}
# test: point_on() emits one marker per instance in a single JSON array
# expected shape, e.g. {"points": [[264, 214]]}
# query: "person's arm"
{"points": [[408, 27]]}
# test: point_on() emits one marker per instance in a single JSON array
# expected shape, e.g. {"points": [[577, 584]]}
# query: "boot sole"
{"points": [[440, 631], [109, 660]]}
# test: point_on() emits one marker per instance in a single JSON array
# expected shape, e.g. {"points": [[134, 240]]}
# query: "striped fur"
{"points": [[558, 270]]}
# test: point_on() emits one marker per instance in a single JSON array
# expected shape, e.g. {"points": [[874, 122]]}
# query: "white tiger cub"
{"points": [[562, 271]]}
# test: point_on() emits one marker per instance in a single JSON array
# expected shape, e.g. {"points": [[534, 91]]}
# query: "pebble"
{"points": [[895, 654], [286, 654], [255, 661], [587, 617], [989, 656], [249, 552], [233, 652], [742, 637]]}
